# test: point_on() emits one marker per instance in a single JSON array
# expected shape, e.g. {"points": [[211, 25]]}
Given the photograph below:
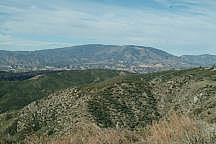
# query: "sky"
{"points": [[177, 26]]}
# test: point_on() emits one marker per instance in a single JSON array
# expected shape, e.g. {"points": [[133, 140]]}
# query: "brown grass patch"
{"points": [[90, 134], [179, 129], [175, 129]]}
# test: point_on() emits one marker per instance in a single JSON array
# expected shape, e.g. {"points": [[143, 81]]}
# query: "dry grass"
{"points": [[179, 129], [90, 134], [176, 129], [95, 135]]}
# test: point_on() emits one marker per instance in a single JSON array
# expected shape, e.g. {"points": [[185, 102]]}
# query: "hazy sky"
{"points": [[177, 26]]}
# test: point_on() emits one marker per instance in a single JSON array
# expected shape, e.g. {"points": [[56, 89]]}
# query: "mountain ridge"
{"points": [[131, 58], [127, 57]]}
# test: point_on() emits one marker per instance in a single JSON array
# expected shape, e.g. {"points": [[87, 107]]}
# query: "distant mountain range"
{"points": [[128, 57]]}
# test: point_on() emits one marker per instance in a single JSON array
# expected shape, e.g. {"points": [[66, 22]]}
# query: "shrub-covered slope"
{"points": [[18, 90], [128, 101]]}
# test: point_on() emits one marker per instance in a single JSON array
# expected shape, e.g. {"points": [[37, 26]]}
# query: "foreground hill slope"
{"points": [[126, 101]]}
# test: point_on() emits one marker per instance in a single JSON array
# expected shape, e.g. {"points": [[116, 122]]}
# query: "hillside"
{"points": [[200, 60], [128, 102], [20, 89], [128, 57]]}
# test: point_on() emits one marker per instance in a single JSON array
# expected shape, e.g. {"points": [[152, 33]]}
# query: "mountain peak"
{"points": [[126, 57]]}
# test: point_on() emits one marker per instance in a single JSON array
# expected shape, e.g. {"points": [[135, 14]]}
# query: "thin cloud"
{"points": [[186, 30]]}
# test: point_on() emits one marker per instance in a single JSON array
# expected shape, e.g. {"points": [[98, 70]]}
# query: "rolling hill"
{"points": [[120, 101], [20, 89], [200, 60]]}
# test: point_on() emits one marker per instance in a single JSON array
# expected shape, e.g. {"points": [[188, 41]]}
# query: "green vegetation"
{"points": [[146, 108], [131, 100], [17, 94]]}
